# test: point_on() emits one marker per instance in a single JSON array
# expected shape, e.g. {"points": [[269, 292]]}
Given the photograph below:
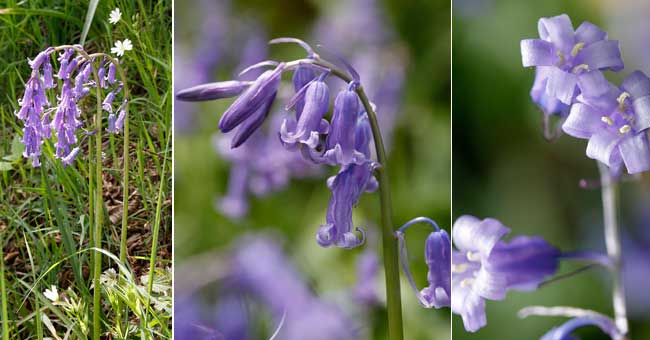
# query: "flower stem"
{"points": [[389, 242], [613, 243], [99, 214]]}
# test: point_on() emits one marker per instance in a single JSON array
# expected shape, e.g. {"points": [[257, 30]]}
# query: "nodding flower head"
{"points": [[615, 123], [437, 255], [485, 267], [566, 60], [341, 141], [347, 187], [262, 91], [302, 76], [308, 129]]}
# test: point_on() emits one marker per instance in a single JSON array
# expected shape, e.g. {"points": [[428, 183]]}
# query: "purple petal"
{"points": [[557, 30], [548, 104], [490, 285], [252, 123], [604, 54], [583, 121], [593, 84], [642, 113], [537, 52], [561, 85], [589, 33], [471, 234], [470, 306], [211, 91], [602, 147], [637, 84], [636, 153]]}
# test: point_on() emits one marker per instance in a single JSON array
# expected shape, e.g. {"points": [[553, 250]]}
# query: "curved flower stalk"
{"points": [[567, 61], [580, 318], [76, 68], [250, 109], [486, 267], [437, 255]]}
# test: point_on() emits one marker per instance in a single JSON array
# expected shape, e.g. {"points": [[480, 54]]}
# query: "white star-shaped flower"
{"points": [[121, 47], [52, 294], [116, 15]]}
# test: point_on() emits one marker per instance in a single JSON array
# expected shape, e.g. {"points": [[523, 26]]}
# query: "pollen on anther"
{"points": [[606, 120], [577, 48], [625, 129], [474, 257], [459, 268], [466, 282]]}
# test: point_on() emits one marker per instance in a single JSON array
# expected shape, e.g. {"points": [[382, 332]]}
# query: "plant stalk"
{"points": [[613, 243], [99, 214]]}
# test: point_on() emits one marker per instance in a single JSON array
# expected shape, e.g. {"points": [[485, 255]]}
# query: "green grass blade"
{"points": [[90, 14], [3, 293]]}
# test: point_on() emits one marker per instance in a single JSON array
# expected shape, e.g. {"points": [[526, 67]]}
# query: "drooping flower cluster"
{"points": [[486, 267], [75, 82], [569, 82], [345, 141]]}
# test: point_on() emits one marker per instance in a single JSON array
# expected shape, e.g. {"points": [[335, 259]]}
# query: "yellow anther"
{"points": [[577, 48], [466, 282], [606, 120], [625, 129], [621, 101], [580, 68], [474, 257], [459, 268], [561, 55]]}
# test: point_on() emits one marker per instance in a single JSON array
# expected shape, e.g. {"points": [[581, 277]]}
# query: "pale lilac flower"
{"points": [[564, 332], [347, 187], [614, 123], [235, 203], [568, 60], [485, 267]]}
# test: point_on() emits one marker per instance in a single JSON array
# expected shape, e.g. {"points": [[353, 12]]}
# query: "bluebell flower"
{"points": [[568, 60], [112, 69], [347, 187], [485, 267], [615, 123], [437, 255], [310, 125], [212, 91], [260, 93], [302, 76]]}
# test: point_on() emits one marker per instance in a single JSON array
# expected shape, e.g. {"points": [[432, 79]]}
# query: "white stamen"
{"points": [[474, 257], [625, 129], [606, 120], [621, 101], [459, 268], [580, 68], [577, 48], [466, 282]]}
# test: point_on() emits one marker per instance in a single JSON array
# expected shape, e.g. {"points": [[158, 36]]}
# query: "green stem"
{"points": [[3, 292], [389, 241], [613, 243], [99, 214]]}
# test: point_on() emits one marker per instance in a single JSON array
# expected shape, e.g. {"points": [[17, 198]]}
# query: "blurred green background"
{"points": [[504, 168], [419, 158]]}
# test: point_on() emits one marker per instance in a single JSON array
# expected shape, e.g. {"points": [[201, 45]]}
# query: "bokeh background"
{"points": [[504, 168], [402, 52]]}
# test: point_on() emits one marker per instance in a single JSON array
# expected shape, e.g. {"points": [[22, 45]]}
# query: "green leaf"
{"points": [[90, 14], [17, 148], [5, 166]]}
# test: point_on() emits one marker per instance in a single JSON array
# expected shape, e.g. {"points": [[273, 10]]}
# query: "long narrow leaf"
{"points": [[90, 14]]}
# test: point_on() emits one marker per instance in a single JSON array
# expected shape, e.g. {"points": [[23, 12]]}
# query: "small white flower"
{"points": [[116, 15], [121, 47], [52, 294]]}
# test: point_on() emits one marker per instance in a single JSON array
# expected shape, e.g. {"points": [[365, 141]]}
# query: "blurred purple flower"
{"points": [[566, 60], [614, 123], [365, 290], [564, 331], [485, 267]]}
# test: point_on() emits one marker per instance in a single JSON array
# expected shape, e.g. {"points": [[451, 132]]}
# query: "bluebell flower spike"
{"points": [[438, 259]]}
